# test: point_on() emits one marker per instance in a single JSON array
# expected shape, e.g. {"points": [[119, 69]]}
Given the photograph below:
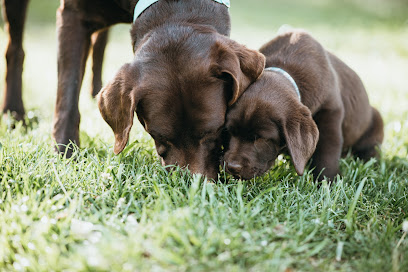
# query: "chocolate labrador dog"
{"points": [[14, 14], [309, 103], [185, 74]]}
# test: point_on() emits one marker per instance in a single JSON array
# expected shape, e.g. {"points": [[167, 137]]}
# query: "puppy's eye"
{"points": [[261, 141], [211, 137], [208, 139]]}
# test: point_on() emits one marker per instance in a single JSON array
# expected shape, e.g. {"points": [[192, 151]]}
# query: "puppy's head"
{"points": [[267, 118], [180, 85]]}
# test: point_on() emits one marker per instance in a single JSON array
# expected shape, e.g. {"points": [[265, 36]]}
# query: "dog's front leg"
{"points": [[326, 158], [73, 47], [14, 12]]}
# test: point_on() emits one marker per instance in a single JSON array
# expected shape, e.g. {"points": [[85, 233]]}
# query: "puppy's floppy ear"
{"points": [[301, 134], [243, 65], [117, 103]]}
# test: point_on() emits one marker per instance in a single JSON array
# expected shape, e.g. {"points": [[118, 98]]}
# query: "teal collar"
{"points": [[142, 5], [285, 74]]}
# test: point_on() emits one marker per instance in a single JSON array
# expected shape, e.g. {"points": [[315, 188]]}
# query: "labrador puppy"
{"points": [[308, 103], [185, 74]]}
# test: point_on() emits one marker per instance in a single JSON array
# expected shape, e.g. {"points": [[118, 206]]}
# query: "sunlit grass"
{"points": [[102, 212]]}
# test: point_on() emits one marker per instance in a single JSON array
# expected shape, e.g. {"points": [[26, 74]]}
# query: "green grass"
{"points": [[102, 212]]}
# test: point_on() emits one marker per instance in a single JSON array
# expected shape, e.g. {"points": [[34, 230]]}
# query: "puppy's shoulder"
{"points": [[292, 41]]}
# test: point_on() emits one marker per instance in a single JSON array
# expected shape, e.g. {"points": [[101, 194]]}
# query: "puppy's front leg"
{"points": [[329, 146]]}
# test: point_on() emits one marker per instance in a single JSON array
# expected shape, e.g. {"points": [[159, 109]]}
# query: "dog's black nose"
{"points": [[234, 168]]}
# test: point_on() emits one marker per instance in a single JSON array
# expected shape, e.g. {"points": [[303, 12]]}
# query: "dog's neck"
{"points": [[299, 74], [288, 77], [199, 12]]}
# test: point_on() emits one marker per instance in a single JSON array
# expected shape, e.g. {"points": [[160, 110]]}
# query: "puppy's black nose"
{"points": [[234, 168]]}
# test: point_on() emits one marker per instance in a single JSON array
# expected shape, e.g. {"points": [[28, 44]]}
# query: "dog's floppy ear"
{"points": [[243, 65], [301, 134], [117, 103]]}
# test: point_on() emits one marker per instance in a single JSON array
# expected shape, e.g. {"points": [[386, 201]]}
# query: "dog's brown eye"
{"points": [[261, 141], [209, 138]]}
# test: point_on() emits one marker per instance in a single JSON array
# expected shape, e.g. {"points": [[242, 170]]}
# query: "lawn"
{"points": [[102, 212]]}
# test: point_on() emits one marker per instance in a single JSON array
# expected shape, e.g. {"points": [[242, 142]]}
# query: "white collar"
{"points": [[286, 74]]}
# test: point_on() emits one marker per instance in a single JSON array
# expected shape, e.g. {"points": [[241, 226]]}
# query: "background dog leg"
{"points": [[73, 48], [14, 13], [99, 41], [329, 146]]}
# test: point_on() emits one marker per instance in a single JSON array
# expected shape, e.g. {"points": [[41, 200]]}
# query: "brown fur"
{"points": [[14, 14], [77, 21], [333, 116], [185, 73]]}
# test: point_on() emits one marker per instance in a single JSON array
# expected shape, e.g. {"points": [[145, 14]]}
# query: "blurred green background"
{"points": [[147, 218], [314, 12], [371, 36]]}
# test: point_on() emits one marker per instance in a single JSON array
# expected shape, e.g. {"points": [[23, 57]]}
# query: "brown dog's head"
{"points": [[267, 118], [180, 85]]}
